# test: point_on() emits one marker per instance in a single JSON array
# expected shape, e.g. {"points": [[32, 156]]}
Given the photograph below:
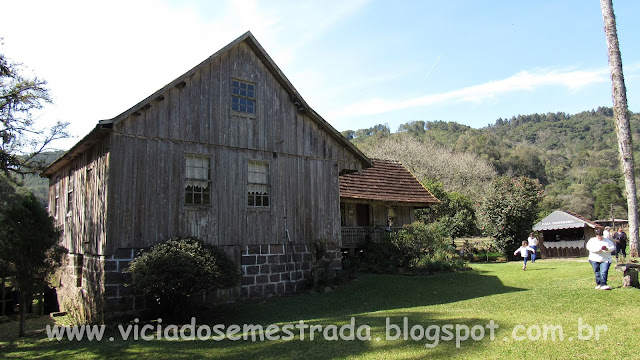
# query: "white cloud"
{"points": [[522, 81]]}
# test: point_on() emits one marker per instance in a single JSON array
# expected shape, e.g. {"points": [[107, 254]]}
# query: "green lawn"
{"points": [[551, 294]]}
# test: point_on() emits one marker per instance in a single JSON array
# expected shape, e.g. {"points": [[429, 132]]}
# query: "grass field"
{"points": [[527, 306]]}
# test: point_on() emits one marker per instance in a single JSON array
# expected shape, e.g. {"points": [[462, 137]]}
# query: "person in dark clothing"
{"points": [[620, 239]]}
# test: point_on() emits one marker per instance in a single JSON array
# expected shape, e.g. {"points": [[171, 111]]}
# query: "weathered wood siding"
{"points": [[148, 149], [84, 223]]}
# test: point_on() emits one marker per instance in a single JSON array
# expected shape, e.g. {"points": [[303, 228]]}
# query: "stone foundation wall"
{"points": [[266, 270], [79, 288], [276, 269], [119, 298]]}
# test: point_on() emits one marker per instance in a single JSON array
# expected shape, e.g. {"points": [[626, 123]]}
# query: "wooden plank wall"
{"points": [[148, 149], [84, 223]]}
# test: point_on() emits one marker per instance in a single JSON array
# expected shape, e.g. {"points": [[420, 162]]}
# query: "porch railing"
{"points": [[355, 237]]}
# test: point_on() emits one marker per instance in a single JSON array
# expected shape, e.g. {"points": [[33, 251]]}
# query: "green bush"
{"points": [[380, 257], [173, 271], [417, 247]]}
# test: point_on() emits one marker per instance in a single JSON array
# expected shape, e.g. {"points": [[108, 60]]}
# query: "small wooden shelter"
{"points": [[564, 234], [379, 199]]}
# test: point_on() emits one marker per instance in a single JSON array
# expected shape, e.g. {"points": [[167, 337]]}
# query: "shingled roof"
{"points": [[387, 181]]}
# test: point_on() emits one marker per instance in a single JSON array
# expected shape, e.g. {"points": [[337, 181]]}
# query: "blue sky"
{"points": [[357, 63]]}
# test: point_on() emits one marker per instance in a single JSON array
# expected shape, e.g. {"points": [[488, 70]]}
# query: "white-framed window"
{"points": [[197, 182], [70, 185], [56, 205], [258, 184], [243, 97]]}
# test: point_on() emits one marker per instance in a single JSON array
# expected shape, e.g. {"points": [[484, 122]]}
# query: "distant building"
{"points": [[614, 223], [564, 234]]}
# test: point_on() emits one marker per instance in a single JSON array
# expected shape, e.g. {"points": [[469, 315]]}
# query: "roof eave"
{"points": [[102, 129], [389, 201]]}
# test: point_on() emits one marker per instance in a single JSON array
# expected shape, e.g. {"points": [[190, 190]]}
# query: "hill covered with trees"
{"points": [[575, 157]]}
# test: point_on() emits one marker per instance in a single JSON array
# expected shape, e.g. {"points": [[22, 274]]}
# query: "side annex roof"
{"points": [[387, 181]]}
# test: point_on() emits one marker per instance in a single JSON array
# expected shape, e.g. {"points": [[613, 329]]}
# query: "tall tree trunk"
{"points": [[621, 116], [23, 313]]}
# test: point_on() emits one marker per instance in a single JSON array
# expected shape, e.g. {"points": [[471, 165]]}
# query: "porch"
{"points": [[354, 237]]}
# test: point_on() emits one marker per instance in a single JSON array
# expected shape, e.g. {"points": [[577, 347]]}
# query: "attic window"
{"points": [[197, 183], [258, 186], [243, 97]]}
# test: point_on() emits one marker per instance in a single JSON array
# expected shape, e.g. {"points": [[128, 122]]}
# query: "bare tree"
{"points": [[20, 140], [465, 173], [621, 116]]}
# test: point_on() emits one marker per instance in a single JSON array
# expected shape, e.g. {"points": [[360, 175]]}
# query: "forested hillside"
{"points": [[37, 185], [575, 156]]}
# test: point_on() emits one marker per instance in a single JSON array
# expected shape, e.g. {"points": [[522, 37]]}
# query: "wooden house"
{"points": [[228, 153], [379, 199], [564, 234]]}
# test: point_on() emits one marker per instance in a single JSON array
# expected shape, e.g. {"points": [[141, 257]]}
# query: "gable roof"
{"points": [[563, 220], [251, 41], [387, 181]]}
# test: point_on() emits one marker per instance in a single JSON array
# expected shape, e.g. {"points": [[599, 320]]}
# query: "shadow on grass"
{"points": [[381, 343], [369, 293], [370, 300]]}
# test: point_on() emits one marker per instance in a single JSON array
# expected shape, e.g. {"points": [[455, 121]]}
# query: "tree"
{"points": [[621, 115], [29, 248], [20, 139], [608, 198], [509, 210], [348, 134], [455, 213], [416, 128]]}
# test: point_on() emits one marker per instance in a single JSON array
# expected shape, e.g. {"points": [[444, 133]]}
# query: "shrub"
{"points": [[417, 247], [381, 256], [173, 271], [440, 261]]}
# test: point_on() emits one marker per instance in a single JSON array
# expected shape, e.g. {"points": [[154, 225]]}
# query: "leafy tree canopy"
{"points": [[29, 250], [510, 210], [455, 212], [20, 139]]}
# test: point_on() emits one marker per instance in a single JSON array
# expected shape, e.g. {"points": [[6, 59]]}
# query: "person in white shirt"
{"points": [[600, 249], [533, 243], [524, 252]]}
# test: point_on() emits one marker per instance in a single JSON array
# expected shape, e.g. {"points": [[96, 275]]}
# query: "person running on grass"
{"points": [[524, 252], [533, 243]]}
